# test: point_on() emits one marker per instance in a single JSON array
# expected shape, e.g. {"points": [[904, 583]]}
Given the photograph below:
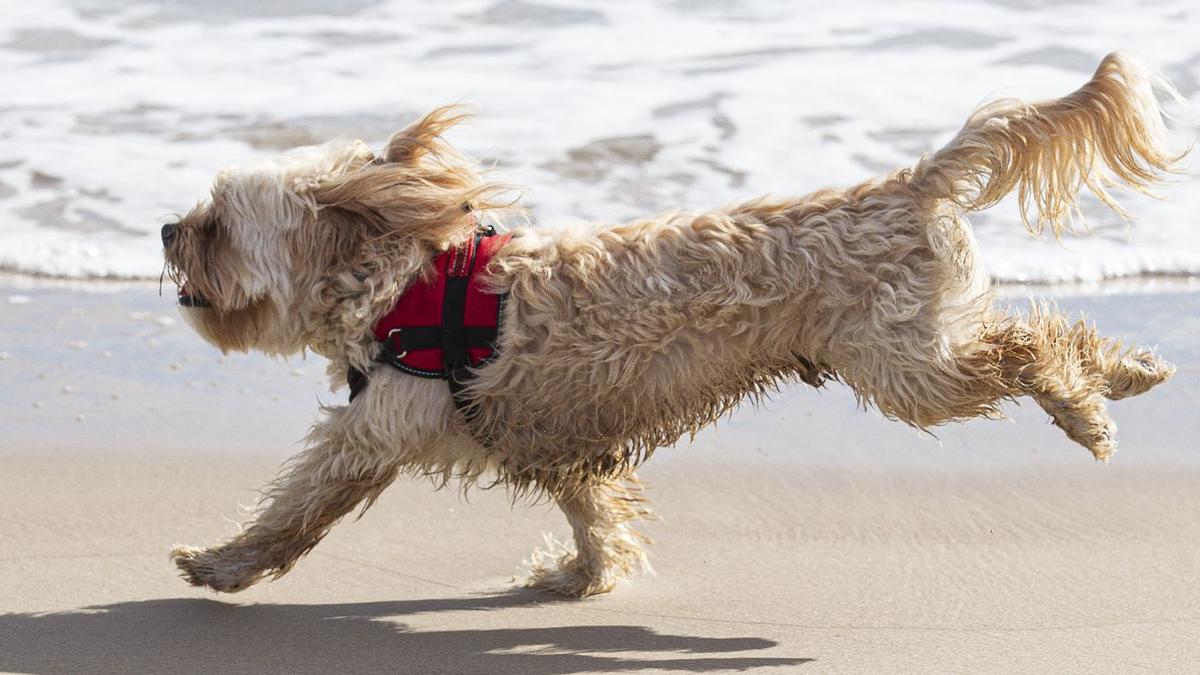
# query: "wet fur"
{"points": [[620, 339]]}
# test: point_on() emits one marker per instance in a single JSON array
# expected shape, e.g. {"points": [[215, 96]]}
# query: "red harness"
{"points": [[443, 327]]}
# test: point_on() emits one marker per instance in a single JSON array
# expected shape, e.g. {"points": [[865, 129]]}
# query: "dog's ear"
{"points": [[423, 137], [419, 188]]}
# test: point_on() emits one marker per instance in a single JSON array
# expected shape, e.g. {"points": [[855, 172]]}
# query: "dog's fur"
{"points": [[618, 340]]}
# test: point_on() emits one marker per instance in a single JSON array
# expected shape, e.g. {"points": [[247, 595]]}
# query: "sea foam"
{"points": [[117, 114]]}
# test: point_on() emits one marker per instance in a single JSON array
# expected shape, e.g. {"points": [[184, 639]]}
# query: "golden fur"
{"points": [[618, 340]]}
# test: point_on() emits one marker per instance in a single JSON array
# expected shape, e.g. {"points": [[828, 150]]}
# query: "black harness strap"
{"points": [[356, 380], [455, 360]]}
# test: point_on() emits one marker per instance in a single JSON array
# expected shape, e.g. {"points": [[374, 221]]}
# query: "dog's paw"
{"points": [[557, 569], [1137, 373], [571, 579], [1102, 443], [214, 568], [560, 570]]}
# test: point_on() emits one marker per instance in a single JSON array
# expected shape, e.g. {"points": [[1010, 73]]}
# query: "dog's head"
{"points": [[264, 262]]}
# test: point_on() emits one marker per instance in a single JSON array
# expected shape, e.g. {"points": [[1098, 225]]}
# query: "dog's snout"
{"points": [[168, 233]]}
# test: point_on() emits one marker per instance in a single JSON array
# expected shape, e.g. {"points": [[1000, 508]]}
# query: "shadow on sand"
{"points": [[199, 635]]}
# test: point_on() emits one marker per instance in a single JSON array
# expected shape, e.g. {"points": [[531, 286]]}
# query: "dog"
{"points": [[615, 340]]}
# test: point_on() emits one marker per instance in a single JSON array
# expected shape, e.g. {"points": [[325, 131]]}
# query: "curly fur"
{"points": [[617, 340]]}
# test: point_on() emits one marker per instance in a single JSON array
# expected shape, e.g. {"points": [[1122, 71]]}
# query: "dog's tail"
{"points": [[1047, 151]]}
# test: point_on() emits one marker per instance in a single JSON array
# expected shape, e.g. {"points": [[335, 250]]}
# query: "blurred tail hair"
{"points": [[1047, 151]]}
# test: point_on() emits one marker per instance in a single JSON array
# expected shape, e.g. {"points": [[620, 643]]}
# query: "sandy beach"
{"points": [[802, 536]]}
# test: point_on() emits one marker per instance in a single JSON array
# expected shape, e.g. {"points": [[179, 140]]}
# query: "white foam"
{"points": [[117, 118]]}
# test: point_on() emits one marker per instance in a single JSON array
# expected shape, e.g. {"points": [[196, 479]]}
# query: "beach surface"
{"points": [[805, 535]]}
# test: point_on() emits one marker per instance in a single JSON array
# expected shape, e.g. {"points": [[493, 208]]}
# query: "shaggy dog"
{"points": [[619, 339]]}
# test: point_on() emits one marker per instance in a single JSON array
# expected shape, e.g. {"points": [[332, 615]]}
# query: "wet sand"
{"points": [[805, 535]]}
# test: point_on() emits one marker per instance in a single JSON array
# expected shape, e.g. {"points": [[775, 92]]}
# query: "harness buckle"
{"points": [[392, 346]]}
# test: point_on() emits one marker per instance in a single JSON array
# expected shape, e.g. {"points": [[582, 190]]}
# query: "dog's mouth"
{"points": [[184, 295], [187, 298]]}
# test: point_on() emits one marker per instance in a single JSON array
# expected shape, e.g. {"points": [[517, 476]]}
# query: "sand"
{"points": [[804, 536]]}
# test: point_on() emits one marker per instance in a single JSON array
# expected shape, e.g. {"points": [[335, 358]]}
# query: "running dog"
{"points": [[554, 361]]}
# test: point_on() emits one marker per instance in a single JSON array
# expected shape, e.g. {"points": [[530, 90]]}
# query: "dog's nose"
{"points": [[168, 234]]}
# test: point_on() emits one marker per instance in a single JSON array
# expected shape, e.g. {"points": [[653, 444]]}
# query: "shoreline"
{"points": [[98, 361]]}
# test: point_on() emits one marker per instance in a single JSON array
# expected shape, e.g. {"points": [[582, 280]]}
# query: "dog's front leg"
{"points": [[339, 470], [607, 549]]}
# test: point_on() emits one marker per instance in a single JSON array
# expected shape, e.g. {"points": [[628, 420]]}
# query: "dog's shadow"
{"points": [[197, 635]]}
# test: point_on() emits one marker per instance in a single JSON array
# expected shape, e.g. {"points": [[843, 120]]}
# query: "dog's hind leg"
{"points": [[607, 549], [1068, 369], [1039, 359], [339, 471]]}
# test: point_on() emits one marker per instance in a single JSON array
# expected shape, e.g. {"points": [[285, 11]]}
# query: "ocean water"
{"points": [[115, 114]]}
